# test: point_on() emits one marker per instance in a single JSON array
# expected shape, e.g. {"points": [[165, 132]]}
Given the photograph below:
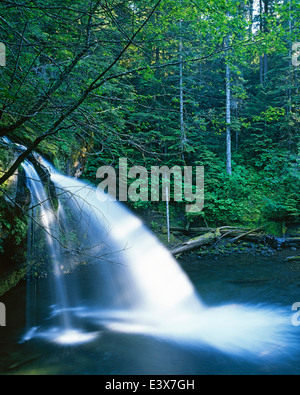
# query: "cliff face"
{"points": [[14, 200], [13, 247], [15, 203], [15, 214]]}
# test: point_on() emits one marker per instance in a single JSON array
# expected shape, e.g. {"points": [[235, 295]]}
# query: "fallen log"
{"points": [[234, 231], [191, 229], [253, 231], [237, 233], [293, 258], [193, 244], [205, 229], [257, 235]]}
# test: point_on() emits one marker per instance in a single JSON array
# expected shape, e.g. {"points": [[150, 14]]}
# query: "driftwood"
{"points": [[232, 234], [293, 259], [243, 235], [199, 230], [224, 231], [236, 233], [193, 244]]}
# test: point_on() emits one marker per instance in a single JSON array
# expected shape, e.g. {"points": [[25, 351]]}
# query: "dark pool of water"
{"points": [[242, 279]]}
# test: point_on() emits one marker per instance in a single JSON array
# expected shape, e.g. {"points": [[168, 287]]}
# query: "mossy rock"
{"points": [[11, 278]]}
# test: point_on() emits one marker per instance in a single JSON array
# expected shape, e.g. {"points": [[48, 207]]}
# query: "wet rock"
{"points": [[23, 196]]}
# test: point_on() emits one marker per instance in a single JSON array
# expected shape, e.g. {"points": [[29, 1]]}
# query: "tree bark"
{"points": [[246, 234], [190, 245], [251, 4], [182, 127], [228, 121], [228, 110], [44, 99], [293, 258], [54, 129]]}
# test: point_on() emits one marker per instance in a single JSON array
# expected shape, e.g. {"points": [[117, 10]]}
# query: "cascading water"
{"points": [[143, 289], [43, 216]]}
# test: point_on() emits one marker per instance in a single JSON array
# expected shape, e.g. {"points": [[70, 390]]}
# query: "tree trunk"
{"points": [[251, 18], [228, 121], [290, 76], [265, 67], [190, 245], [293, 259], [264, 12], [261, 70], [182, 128]]}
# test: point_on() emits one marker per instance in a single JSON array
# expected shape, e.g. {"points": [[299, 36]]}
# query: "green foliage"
{"points": [[137, 115], [18, 231], [13, 229]]}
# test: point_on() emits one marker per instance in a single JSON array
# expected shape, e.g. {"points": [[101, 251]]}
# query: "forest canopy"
{"points": [[170, 82]]}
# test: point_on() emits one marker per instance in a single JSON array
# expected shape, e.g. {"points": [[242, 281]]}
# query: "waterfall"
{"points": [[43, 222], [136, 265], [137, 286]]}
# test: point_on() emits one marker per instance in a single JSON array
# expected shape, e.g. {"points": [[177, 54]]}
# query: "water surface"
{"points": [[249, 281]]}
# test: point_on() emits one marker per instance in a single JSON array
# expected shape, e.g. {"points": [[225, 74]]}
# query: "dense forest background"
{"points": [[170, 82]]}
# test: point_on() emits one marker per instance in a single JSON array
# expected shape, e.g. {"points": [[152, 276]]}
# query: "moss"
{"points": [[274, 228], [11, 278], [13, 233], [13, 225]]}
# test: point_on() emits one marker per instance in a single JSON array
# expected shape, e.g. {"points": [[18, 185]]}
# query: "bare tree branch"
{"points": [[43, 100], [100, 80]]}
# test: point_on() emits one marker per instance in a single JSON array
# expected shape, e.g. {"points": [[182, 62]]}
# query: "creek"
{"points": [[116, 301]]}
